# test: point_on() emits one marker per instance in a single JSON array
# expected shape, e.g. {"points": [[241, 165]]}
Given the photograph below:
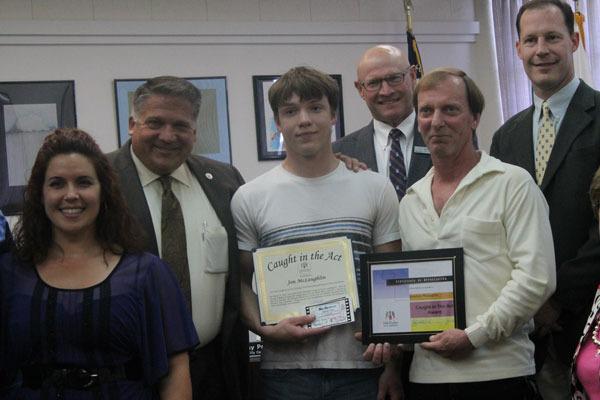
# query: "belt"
{"points": [[80, 378]]}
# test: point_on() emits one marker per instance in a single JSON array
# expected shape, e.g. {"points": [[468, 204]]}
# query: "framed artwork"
{"points": [[212, 125], [29, 111], [411, 295], [268, 139]]}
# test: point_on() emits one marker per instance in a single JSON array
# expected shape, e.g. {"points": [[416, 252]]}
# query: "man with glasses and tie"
{"points": [[182, 202], [390, 143], [557, 140]]}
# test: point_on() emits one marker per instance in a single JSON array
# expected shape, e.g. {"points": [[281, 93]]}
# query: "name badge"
{"points": [[421, 150]]}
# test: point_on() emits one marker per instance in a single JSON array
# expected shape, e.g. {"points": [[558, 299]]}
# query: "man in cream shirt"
{"points": [[498, 215]]}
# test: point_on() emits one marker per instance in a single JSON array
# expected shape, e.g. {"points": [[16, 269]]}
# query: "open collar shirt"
{"points": [[498, 215]]}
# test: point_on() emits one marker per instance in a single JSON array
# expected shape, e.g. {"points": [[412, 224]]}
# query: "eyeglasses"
{"points": [[393, 80]]}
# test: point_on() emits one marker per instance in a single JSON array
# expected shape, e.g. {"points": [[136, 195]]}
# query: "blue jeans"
{"points": [[320, 384]]}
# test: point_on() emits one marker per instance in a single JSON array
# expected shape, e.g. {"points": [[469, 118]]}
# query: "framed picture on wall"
{"points": [[212, 125], [29, 111], [268, 138]]}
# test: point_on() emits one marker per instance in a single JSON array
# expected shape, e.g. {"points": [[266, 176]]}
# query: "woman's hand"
{"points": [[177, 385]]}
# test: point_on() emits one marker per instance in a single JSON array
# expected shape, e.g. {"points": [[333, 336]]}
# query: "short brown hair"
{"points": [[116, 230], [308, 83], [434, 78], [564, 8], [595, 193]]}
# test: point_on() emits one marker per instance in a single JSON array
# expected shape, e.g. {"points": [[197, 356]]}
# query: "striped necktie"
{"points": [[397, 170]]}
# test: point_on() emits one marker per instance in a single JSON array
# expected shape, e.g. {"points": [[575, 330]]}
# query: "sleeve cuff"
{"points": [[477, 334], [246, 246]]}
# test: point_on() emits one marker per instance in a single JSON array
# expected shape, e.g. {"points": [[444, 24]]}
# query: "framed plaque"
{"points": [[408, 296]]}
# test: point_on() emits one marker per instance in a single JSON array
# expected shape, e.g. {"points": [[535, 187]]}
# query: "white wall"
{"points": [[96, 41]]}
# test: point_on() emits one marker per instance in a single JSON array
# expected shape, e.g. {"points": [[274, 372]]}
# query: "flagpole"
{"points": [[408, 11], [414, 56]]}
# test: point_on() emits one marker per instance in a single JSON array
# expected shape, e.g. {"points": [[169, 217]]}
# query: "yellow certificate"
{"points": [[291, 277]]}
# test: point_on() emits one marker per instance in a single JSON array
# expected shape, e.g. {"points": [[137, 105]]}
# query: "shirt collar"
{"points": [[486, 165], [181, 174], [559, 101], [382, 130]]}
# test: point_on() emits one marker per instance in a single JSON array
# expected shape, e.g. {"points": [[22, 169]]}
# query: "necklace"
{"points": [[595, 335]]}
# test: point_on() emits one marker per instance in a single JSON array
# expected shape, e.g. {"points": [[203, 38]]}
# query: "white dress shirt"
{"points": [[383, 143], [206, 240]]}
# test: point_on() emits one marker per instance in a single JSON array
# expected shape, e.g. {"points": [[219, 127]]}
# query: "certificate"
{"points": [[411, 295], [292, 277]]}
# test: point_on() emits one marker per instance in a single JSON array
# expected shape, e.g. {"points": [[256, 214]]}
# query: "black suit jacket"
{"points": [[573, 161], [219, 181], [360, 145]]}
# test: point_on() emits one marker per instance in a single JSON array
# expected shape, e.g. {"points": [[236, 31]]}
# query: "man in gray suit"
{"points": [[385, 81], [546, 44], [163, 131]]}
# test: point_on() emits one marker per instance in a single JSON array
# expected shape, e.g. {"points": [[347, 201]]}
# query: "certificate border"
{"points": [[266, 315], [368, 260]]}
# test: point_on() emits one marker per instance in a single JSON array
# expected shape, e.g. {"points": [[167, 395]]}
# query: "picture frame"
{"points": [[408, 296], [29, 111], [269, 140], [213, 133]]}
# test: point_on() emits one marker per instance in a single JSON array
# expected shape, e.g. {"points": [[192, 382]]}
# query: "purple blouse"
{"points": [[137, 314]]}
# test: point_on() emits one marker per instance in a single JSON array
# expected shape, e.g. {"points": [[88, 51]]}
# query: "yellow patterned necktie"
{"points": [[545, 142]]}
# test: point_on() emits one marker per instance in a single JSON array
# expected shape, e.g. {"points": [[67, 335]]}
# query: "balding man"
{"points": [[385, 81]]}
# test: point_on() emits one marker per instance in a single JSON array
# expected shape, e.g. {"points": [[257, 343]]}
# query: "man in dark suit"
{"points": [[546, 45], [385, 81], [163, 132]]}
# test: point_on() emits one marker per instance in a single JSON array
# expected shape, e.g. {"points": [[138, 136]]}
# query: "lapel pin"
{"points": [[208, 175]]}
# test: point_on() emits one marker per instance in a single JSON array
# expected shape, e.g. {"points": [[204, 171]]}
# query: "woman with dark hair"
{"points": [[585, 376], [83, 313]]}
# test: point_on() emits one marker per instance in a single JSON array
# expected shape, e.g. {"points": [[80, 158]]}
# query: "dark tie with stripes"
{"points": [[397, 171], [173, 245]]}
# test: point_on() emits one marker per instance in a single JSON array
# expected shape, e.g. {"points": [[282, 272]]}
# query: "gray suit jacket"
{"points": [[233, 338], [573, 161], [360, 145]]}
